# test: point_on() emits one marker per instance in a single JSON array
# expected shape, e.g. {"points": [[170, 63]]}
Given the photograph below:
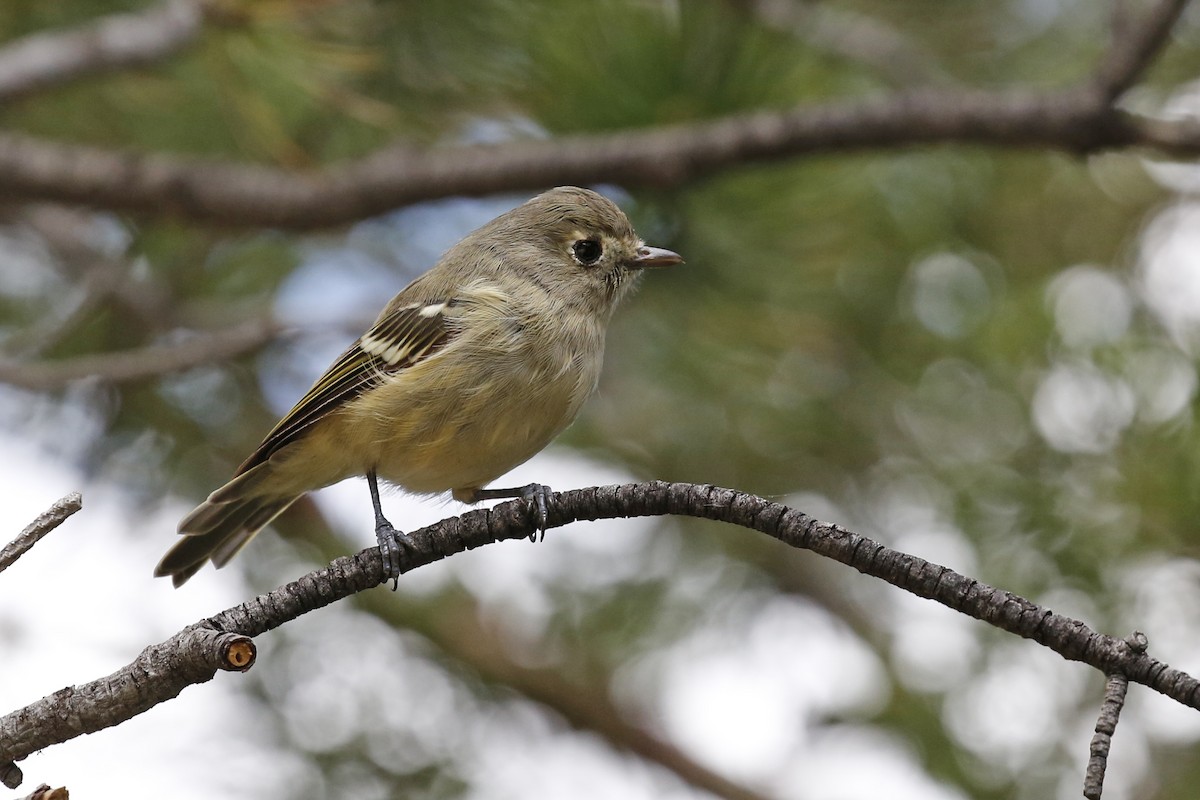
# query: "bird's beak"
{"points": [[654, 257]]}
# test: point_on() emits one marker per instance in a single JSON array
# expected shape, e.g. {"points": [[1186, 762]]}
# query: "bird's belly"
{"points": [[477, 437], [463, 458]]}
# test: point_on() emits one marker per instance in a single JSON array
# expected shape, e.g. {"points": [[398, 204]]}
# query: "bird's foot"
{"points": [[536, 494], [391, 544]]}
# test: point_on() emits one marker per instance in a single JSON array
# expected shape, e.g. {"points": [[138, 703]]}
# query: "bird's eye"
{"points": [[587, 251]]}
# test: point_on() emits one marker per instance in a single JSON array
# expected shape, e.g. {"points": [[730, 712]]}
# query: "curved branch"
{"points": [[55, 719], [1070, 638], [243, 194], [1082, 119], [582, 700]]}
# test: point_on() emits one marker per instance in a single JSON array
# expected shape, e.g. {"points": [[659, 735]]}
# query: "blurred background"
{"points": [[983, 357]]}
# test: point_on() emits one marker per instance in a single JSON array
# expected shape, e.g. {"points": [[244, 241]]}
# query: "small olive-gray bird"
{"points": [[469, 371]]}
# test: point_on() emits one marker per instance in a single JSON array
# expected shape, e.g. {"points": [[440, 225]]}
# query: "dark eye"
{"points": [[587, 251]]}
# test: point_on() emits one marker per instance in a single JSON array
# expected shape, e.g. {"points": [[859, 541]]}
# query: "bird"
{"points": [[467, 372]]}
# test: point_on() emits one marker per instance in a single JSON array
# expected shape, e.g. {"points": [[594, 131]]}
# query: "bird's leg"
{"points": [[534, 493], [391, 541]]}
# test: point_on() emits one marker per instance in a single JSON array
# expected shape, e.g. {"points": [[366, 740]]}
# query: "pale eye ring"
{"points": [[587, 251]]}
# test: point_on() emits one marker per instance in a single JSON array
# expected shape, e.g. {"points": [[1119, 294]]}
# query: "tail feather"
{"points": [[222, 525], [258, 516], [210, 516], [241, 486]]}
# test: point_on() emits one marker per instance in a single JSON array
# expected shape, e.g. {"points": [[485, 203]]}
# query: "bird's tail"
{"points": [[223, 524]]}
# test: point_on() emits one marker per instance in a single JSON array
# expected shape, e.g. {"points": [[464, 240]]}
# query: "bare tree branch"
{"points": [[1080, 120], [159, 673], [240, 194], [1110, 713], [1135, 45], [47, 521], [42, 60], [71, 712], [456, 630], [143, 362]]}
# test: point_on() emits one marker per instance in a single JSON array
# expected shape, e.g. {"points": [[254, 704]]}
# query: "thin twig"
{"points": [[143, 362], [97, 705], [1106, 725], [33, 533], [1110, 711], [39, 61], [1135, 45]]}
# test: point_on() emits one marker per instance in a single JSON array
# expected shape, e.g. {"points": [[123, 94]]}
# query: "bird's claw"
{"points": [[537, 495], [391, 543]]}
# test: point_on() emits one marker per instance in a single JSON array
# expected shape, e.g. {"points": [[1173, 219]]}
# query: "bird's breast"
{"points": [[488, 401]]}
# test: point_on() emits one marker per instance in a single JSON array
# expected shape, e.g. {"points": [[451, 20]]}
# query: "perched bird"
{"points": [[469, 371]]}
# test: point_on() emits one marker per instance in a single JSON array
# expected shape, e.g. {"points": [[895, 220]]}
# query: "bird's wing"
{"points": [[400, 338]]}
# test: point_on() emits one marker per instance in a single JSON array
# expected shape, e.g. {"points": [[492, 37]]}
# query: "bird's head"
{"points": [[576, 244]]}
